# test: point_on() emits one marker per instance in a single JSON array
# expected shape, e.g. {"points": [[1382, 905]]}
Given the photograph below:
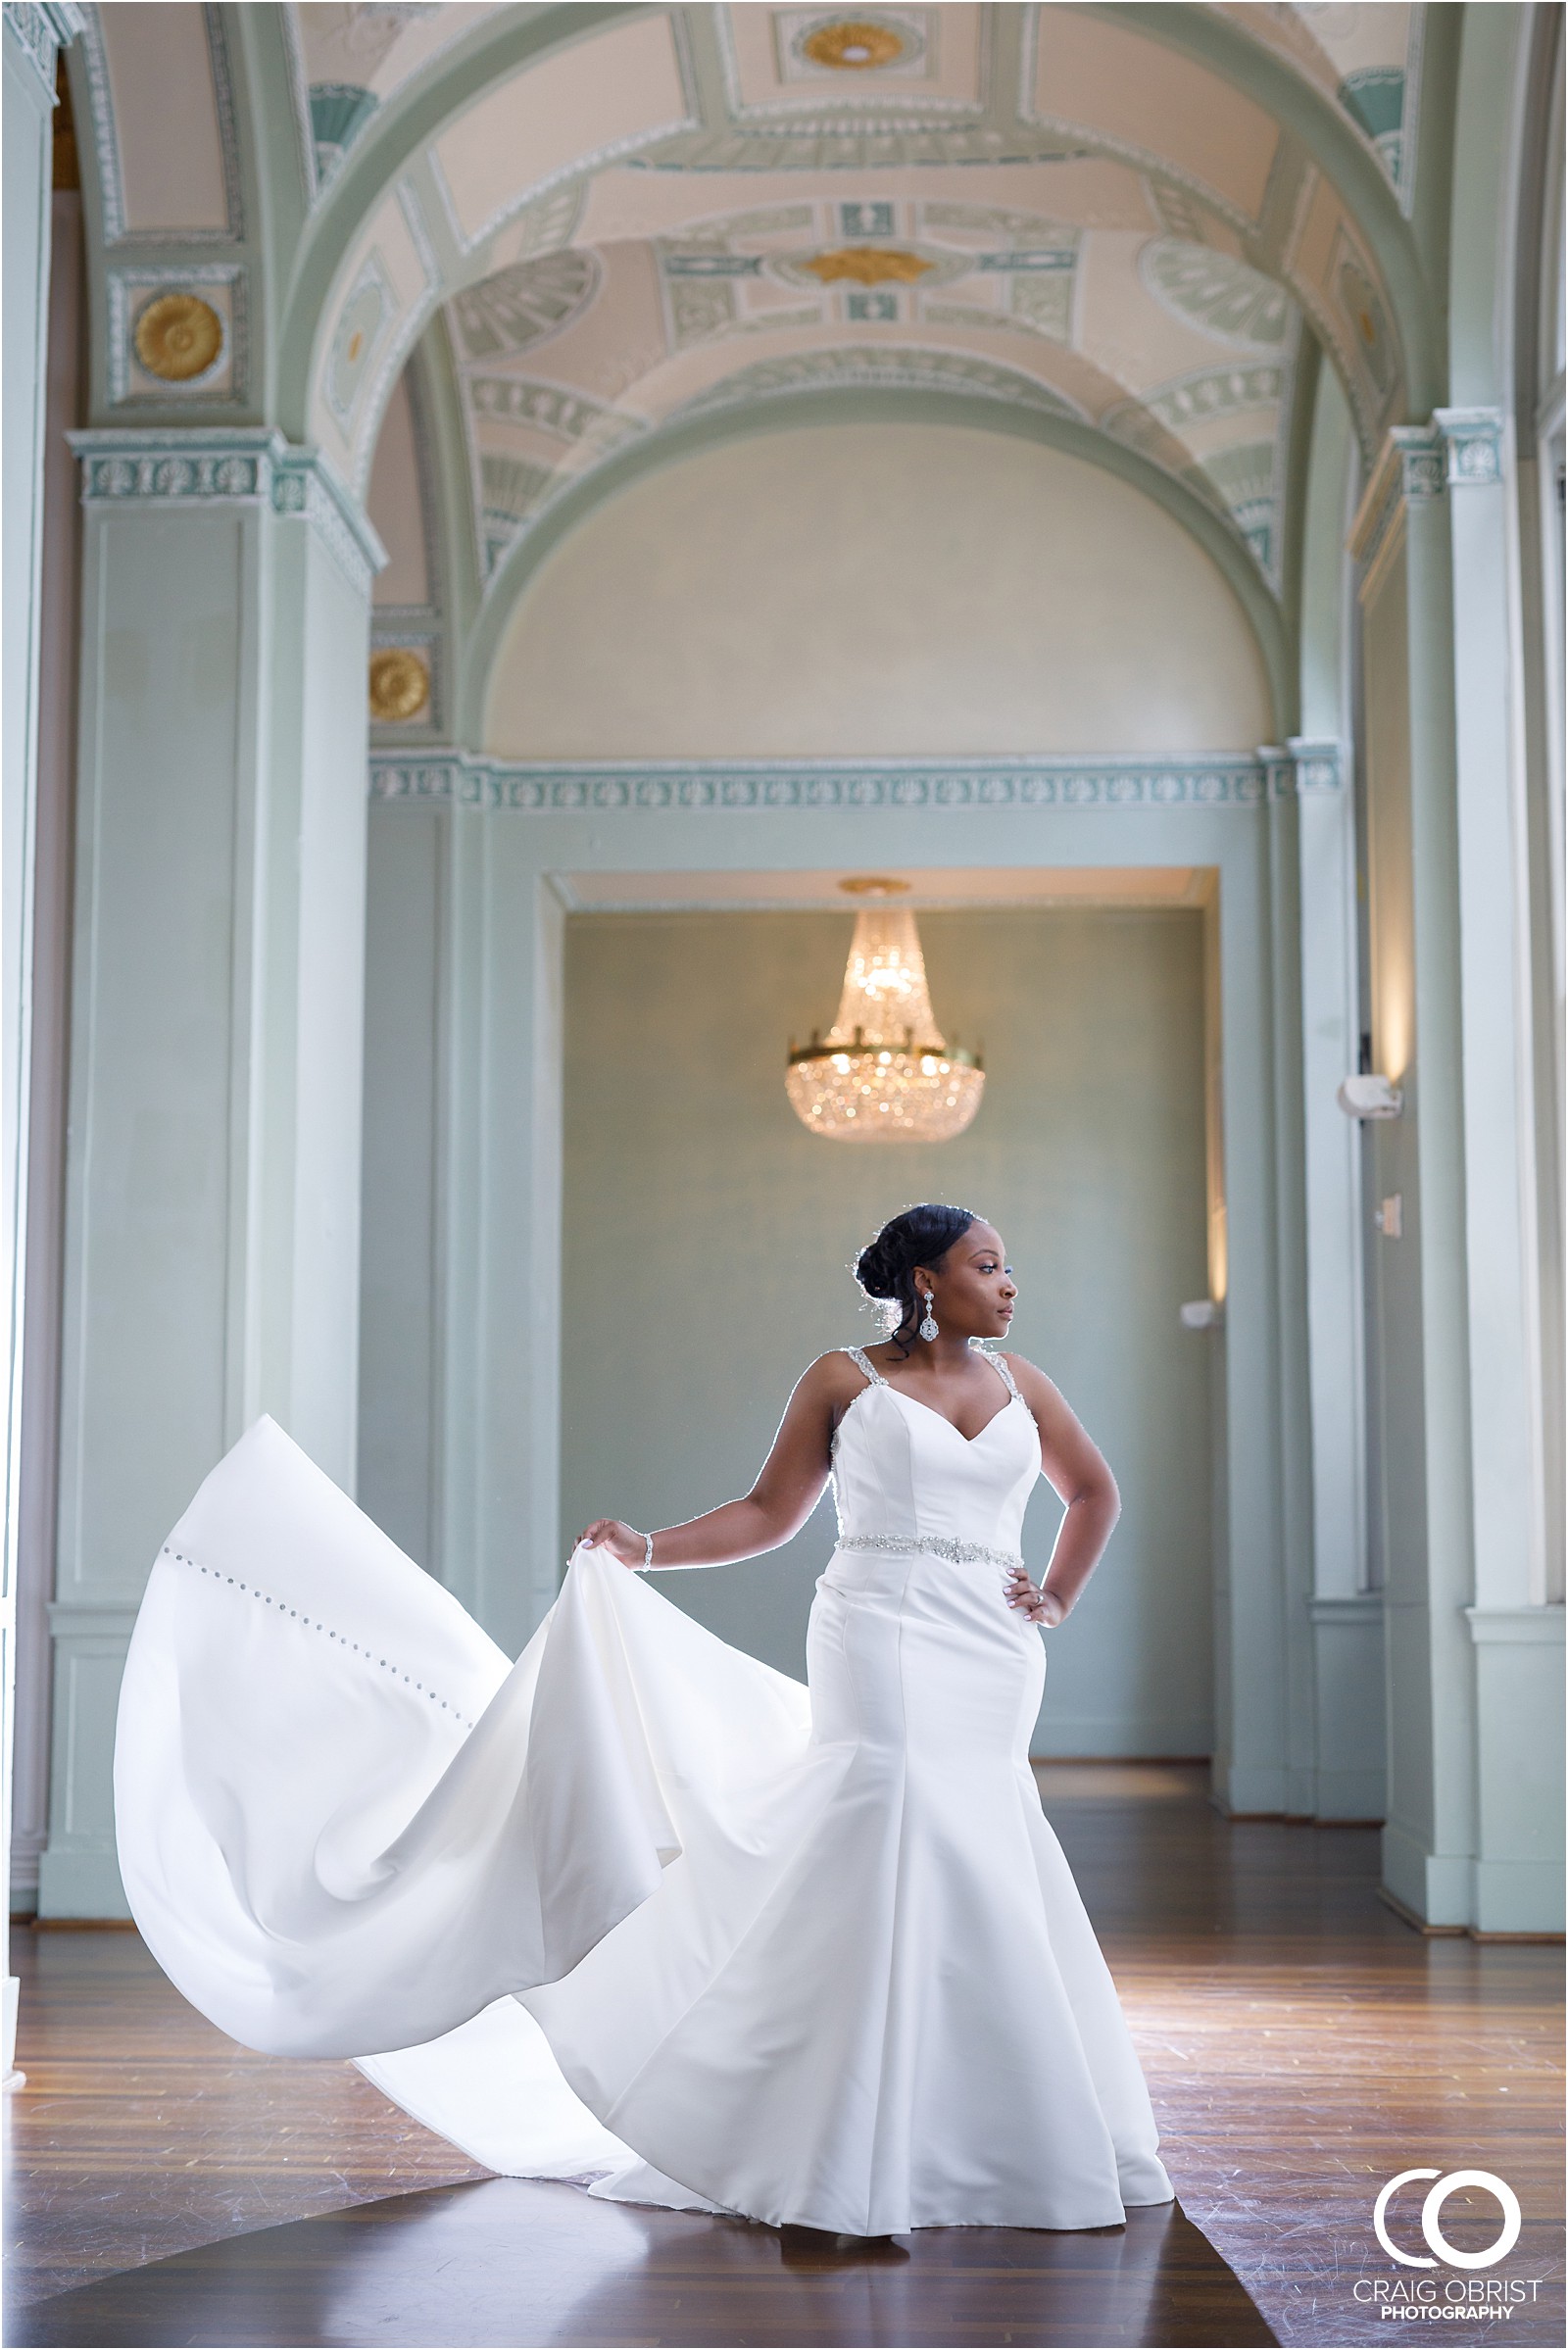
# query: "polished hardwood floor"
{"points": [[1302, 2044]]}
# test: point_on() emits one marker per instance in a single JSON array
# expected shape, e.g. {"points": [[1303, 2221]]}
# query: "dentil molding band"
{"points": [[1240, 779]]}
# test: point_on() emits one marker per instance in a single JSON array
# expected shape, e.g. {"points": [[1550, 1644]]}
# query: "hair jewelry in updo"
{"points": [[920, 1236]]}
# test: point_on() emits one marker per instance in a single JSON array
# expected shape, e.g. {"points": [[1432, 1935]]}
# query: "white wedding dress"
{"points": [[637, 1910]]}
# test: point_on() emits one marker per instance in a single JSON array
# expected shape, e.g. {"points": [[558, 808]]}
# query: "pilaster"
{"points": [[1418, 1275], [213, 1171], [1516, 1638], [30, 38], [1286, 915], [1475, 1822], [1338, 1625]]}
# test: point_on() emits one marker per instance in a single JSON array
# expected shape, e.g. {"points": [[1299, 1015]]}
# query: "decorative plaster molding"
{"points": [[227, 380], [459, 779], [199, 466], [1411, 468], [41, 33], [416, 628], [214, 467], [228, 130], [1304, 768], [106, 141], [102, 130], [1461, 448], [1473, 437], [877, 367], [306, 487]]}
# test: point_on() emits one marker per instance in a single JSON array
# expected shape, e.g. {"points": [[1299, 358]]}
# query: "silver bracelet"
{"points": [[648, 1552]]}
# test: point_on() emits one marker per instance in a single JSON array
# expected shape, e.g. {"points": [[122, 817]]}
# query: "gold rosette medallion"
{"points": [[178, 336]]}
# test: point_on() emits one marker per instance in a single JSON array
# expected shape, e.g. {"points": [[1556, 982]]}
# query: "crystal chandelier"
{"points": [[883, 1073]]}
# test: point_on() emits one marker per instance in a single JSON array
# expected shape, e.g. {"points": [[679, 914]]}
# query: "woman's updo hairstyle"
{"points": [[920, 1235]]}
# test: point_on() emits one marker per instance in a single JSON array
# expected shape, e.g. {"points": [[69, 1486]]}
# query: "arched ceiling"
{"points": [[687, 208], [610, 222]]}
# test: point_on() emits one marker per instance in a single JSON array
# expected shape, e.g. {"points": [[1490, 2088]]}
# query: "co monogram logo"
{"points": [[1431, 2211]]}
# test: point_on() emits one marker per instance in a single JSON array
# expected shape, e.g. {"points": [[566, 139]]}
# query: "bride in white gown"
{"points": [[637, 1910]]}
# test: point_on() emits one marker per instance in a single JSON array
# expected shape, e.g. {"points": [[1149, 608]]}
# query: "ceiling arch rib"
{"points": [[1243, 177]]}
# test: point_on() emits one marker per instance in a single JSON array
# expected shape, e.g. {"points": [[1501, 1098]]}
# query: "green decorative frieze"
{"points": [[213, 466], [458, 779], [123, 466]]}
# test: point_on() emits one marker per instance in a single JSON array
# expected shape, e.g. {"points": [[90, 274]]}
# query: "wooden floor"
{"points": [[1301, 2046]]}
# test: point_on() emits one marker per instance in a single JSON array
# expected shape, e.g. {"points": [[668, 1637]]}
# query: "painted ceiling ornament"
{"points": [[867, 264], [855, 45], [399, 685], [178, 336], [1216, 291], [524, 303], [884, 1073]]}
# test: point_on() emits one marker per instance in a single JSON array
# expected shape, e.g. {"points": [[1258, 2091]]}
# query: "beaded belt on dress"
{"points": [[941, 1545]]}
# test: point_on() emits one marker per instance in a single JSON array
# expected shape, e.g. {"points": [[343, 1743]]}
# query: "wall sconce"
{"points": [[1202, 1313], [1370, 1097]]}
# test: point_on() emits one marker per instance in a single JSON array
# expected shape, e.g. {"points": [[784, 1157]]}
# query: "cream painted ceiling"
{"points": [[680, 211], [1031, 205]]}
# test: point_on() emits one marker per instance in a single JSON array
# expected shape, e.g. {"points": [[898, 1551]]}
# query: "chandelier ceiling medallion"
{"points": [[884, 1072]]}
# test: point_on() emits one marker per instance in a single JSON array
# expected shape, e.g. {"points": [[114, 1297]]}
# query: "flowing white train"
{"points": [[637, 1910]]}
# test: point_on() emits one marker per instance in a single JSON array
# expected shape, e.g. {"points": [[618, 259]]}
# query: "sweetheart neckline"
{"points": [[871, 1387]]}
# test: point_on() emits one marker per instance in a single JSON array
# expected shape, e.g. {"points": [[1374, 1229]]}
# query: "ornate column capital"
{"points": [[1473, 438], [1462, 447], [1305, 766], [39, 34], [304, 484], [220, 465], [1411, 468]]}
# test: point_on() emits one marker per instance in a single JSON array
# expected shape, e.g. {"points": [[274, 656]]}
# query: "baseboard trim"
{"points": [[1473, 1933], [1192, 1761], [1404, 1911], [79, 1924]]}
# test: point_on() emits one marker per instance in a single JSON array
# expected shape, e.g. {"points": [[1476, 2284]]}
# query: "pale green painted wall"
{"points": [[398, 1287], [708, 1240], [880, 589]]}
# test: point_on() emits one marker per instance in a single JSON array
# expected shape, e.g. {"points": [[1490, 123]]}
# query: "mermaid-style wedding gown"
{"points": [[638, 1910]]}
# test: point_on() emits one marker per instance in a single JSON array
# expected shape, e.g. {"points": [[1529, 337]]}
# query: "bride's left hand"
{"points": [[1037, 1607]]}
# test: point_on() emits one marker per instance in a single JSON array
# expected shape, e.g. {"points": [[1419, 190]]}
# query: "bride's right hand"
{"points": [[622, 1542]]}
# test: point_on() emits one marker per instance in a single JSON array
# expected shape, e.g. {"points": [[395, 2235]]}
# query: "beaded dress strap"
{"points": [[1001, 1362], [862, 1362]]}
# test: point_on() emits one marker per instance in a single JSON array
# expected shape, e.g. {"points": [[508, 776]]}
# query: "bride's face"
{"points": [[974, 1288]]}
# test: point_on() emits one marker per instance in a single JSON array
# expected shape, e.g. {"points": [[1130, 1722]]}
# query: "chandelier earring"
{"points": [[928, 1326]]}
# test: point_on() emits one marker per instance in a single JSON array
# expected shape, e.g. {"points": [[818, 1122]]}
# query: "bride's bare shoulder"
{"points": [[1032, 1382], [831, 1376], [829, 1383]]}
